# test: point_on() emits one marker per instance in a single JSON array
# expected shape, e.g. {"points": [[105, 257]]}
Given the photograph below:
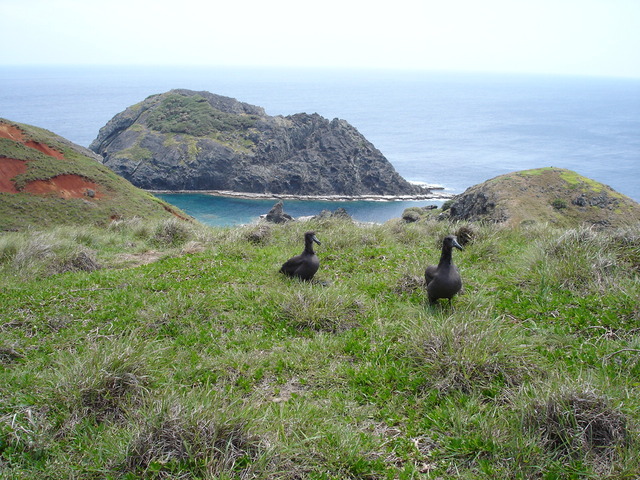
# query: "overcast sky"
{"points": [[583, 37]]}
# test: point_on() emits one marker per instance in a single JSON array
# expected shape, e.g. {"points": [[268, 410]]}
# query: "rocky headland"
{"points": [[184, 140], [550, 195]]}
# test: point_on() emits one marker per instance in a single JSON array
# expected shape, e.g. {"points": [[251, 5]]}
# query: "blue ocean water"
{"points": [[449, 129]]}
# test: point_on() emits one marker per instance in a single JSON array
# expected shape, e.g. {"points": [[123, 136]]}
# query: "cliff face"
{"points": [[186, 140]]}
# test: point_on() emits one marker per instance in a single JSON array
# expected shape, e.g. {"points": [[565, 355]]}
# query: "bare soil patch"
{"points": [[66, 186], [9, 169], [16, 134]]}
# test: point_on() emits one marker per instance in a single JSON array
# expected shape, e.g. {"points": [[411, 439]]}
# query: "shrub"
{"points": [[412, 214], [559, 203], [447, 204]]}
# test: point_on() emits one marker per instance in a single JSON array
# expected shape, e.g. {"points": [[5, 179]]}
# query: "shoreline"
{"points": [[330, 198]]}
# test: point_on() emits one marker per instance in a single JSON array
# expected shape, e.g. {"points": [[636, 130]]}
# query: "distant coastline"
{"points": [[428, 195], [451, 129]]}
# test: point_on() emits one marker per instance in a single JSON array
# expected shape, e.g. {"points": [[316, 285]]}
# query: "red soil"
{"points": [[9, 168], [11, 132], [46, 149], [66, 186], [14, 133]]}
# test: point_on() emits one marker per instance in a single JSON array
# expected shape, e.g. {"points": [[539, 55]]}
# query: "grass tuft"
{"points": [[259, 235], [171, 232], [319, 310], [476, 355], [50, 254], [579, 423], [181, 441], [106, 382], [466, 234]]}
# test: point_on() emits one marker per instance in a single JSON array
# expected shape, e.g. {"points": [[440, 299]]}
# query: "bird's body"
{"points": [[305, 265], [443, 280]]}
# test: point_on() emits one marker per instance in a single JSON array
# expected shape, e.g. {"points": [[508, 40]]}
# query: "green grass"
{"points": [[207, 363]]}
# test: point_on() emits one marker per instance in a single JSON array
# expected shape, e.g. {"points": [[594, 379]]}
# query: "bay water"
{"points": [[449, 129]]}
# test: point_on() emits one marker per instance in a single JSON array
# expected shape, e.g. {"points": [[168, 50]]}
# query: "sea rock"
{"points": [[277, 214], [187, 140], [544, 195], [341, 212]]}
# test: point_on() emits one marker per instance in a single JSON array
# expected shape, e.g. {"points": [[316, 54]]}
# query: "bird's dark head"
{"points": [[311, 237], [451, 241]]}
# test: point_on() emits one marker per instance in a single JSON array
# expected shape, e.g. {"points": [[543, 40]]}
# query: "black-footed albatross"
{"points": [[305, 265], [443, 280]]}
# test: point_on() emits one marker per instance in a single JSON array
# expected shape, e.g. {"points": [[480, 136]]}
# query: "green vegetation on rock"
{"points": [[194, 115], [136, 153]]}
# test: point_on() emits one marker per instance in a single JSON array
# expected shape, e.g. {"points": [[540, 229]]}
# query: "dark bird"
{"points": [[443, 280], [305, 265]]}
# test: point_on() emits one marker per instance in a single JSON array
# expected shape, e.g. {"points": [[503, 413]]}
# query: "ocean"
{"points": [[448, 129]]}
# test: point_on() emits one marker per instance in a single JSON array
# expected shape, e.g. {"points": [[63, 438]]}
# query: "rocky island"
{"points": [[184, 140]]}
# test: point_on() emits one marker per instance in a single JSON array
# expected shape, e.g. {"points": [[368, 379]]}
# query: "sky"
{"points": [[568, 37]]}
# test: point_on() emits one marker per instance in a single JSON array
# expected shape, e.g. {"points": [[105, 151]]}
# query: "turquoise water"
{"points": [[225, 211]]}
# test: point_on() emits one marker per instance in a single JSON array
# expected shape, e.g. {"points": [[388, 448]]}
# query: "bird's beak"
{"points": [[316, 240], [457, 245]]}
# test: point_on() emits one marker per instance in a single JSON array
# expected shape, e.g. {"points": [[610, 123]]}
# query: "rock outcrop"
{"points": [[277, 214], [554, 195], [186, 140]]}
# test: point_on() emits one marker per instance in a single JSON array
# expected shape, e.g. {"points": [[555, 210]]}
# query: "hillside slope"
{"points": [[47, 180], [554, 195], [212, 364]]}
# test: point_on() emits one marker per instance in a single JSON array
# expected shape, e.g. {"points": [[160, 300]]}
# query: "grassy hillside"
{"points": [[207, 363], [557, 196], [47, 180]]}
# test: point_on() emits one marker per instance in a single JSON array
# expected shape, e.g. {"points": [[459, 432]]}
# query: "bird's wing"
{"points": [[430, 273], [291, 265]]}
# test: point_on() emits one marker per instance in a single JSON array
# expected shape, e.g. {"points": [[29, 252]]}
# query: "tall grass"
{"points": [[208, 363], [36, 253]]}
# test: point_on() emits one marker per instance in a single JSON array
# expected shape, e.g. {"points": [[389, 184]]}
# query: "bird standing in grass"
{"points": [[305, 265], [443, 280]]}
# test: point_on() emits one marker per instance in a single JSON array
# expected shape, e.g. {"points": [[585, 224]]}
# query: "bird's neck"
{"points": [[445, 257], [308, 248]]}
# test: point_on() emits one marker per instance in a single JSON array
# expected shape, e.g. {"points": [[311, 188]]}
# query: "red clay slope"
{"points": [[65, 186]]}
